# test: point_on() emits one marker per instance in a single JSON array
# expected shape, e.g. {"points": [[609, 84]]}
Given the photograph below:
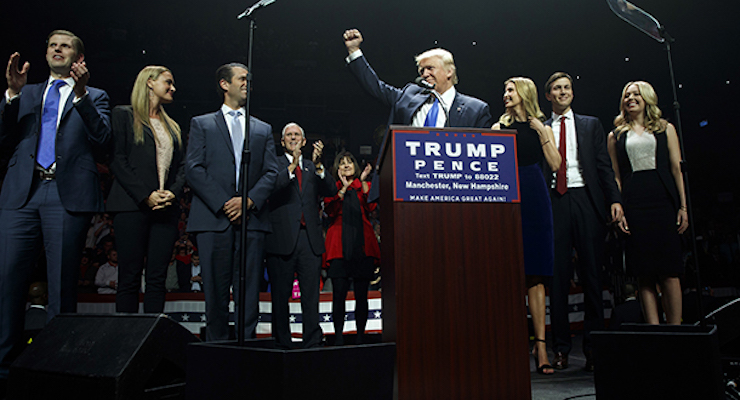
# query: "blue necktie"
{"points": [[45, 153], [432, 115], [237, 140]]}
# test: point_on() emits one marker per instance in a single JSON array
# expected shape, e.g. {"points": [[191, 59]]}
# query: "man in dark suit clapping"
{"points": [[296, 243], [51, 189]]}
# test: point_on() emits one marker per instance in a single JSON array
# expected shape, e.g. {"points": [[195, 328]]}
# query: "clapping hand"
{"points": [[318, 149], [16, 77], [81, 75]]}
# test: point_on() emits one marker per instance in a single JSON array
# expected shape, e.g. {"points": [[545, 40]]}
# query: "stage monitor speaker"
{"points": [[727, 320], [657, 362], [89, 356]]}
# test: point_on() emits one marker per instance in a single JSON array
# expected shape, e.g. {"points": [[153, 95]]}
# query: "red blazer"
{"points": [[333, 207]]}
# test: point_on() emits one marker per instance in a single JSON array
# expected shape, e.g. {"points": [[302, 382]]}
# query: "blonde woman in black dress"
{"points": [[646, 158], [535, 143]]}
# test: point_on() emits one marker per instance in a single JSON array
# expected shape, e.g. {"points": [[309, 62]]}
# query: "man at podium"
{"points": [[415, 105], [432, 101]]}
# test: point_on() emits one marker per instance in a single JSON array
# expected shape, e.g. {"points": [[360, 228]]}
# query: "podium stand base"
{"points": [[222, 370], [657, 362]]}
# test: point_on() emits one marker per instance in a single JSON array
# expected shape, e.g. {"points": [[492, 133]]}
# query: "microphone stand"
{"points": [[684, 169], [244, 180]]}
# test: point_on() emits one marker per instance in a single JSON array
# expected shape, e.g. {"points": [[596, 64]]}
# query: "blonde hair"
{"points": [[527, 90], [140, 105], [448, 62], [653, 121]]}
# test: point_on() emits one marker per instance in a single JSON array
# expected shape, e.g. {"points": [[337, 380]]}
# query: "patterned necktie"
{"points": [[561, 184], [45, 153], [432, 115], [237, 140]]}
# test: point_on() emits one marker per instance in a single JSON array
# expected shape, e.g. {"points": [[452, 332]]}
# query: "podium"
{"points": [[453, 272]]}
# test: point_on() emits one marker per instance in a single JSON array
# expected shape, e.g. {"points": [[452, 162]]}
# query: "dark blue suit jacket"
{"points": [[288, 203], [82, 126], [466, 111], [595, 164], [210, 169]]}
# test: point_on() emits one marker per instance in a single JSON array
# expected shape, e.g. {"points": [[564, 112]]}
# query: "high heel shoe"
{"points": [[541, 368]]}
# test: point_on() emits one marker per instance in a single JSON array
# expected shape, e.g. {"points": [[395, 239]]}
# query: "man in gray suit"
{"points": [[296, 243], [212, 170]]}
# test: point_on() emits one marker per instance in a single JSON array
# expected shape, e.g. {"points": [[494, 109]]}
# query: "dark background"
{"points": [[300, 75]]}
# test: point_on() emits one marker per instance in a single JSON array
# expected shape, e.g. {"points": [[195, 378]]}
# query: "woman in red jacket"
{"points": [[351, 247]]}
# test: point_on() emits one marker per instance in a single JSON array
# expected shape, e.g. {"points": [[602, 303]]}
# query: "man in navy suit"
{"points": [[212, 170], [412, 104], [296, 242], [585, 198], [51, 188]]}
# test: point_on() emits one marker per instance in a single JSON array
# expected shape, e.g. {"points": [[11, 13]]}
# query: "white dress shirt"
{"points": [[238, 147], [573, 169]]}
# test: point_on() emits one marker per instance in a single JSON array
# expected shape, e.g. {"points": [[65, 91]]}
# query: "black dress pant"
{"points": [[282, 270], [576, 225], [219, 261], [144, 240]]}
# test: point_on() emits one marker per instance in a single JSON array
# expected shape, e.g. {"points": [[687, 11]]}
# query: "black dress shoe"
{"points": [[589, 367], [560, 361]]}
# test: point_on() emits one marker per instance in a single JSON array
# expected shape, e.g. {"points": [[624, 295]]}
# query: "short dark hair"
{"points": [[338, 159], [554, 77], [226, 73], [76, 41]]}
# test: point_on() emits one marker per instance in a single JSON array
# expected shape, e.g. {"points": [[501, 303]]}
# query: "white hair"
{"points": [[288, 125]]}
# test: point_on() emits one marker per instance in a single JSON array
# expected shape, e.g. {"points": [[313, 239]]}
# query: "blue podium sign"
{"points": [[451, 166]]}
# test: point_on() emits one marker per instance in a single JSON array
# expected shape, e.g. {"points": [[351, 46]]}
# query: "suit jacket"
{"points": [[595, 164], [134, 166], [465, 112], [288, 203], [210, 170], [81, 127]]}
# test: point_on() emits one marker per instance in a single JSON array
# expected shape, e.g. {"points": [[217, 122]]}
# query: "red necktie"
{"points": [[299, 177], [561, 184]]}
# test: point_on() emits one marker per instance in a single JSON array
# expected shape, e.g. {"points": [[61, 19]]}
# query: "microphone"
{"points": [[248, 12], [421, 82]]}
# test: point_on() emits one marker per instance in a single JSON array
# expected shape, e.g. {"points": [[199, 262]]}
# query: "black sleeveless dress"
{"points": [[536, 209], [651, 205]]}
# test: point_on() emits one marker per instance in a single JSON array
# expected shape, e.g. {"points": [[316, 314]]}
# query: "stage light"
{"points": [[626, 59], [475, 43], [703, 123]]}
